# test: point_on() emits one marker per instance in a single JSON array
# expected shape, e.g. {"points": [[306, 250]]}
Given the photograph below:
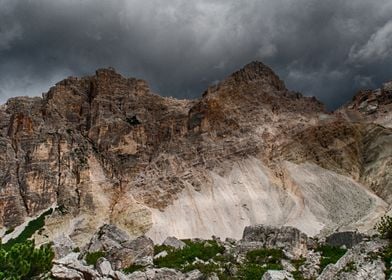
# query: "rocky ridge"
{"points": [[105, 149]]}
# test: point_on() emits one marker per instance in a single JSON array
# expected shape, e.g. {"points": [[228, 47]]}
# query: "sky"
{"points": [[328, 49]]}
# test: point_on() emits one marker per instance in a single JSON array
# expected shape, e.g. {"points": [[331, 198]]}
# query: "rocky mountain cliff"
{"points": [[105, 149]]}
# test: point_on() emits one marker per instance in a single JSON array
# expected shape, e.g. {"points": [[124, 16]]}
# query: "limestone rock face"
{"points": [[105, 149]]}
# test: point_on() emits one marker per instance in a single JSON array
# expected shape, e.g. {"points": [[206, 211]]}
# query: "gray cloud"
{"points": [[322, 48], [378, 47]]}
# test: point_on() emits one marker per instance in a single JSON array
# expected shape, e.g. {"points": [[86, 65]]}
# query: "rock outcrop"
{"points": [[119, 249], [360, 262], [291, 240], [371, 106], [345, 238]]}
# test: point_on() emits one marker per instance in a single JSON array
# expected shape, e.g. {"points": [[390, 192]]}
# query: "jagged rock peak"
{"points": [[257, 71], [106, 81]]}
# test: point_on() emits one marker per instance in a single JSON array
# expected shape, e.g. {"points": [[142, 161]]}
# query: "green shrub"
{"points": [[179, 259], [384, 227], [133, 268], [259, 261], [330, 254], [387, 257], [92, 258], [161, 248], [265, 256], [30, 229], [251, 271], [23, 261]]}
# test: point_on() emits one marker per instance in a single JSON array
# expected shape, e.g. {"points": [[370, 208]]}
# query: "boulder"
{"points": [[104, 268], [120, 250], [64, 273], [106, 238], [174, 242], [287, 265], [70, 267], [62, 246], [291, 240], [277, 275], [160, 255], [344, 238], [194, 275], [157, 274], [213, 276]]}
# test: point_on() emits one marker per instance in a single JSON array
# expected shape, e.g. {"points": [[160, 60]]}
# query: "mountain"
{"points": [[106, 149]]}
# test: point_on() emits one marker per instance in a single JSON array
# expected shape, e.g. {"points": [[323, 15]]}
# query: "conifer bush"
{"points": [[23, 261], [384, 227]]}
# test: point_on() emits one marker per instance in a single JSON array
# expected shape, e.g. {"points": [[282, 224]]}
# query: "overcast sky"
{"points": [[323, 48]]}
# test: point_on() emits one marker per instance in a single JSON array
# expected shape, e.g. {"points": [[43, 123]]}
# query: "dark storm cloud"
{"points": [[322, 48]]}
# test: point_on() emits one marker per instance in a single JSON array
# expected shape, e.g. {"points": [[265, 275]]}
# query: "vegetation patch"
{"points": [[252, 271], [209, 257], [30, 229], [259, 261], [384, 227], [330, 254], [180, 259], [92, 258], [160, 248], [22, 261], [265, 256], [133, 268], [387, 258]]}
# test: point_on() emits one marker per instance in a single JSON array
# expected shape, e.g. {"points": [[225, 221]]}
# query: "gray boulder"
{"points": [[157, 274], [161, 255], [345, 238], [194, 275], [104, 268], [277, 275], [291, 240], [120, 250], [70, 267], [62, 246], [174, 242]]}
